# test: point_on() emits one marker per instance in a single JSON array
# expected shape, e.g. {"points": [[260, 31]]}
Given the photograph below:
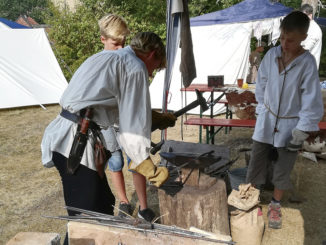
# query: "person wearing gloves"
{"points": [[114, 30], [289, 108], [314, 40], [113, 88]]}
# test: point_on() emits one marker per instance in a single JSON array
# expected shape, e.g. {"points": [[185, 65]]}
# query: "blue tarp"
{"points": [[321, 21], [12, 24], [248, 10]]}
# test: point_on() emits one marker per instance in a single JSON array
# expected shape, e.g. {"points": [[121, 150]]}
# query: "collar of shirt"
{"points": [[293, 63]]}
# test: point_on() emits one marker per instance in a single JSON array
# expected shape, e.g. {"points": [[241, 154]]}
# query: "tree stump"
{"points": [[201, 203]]}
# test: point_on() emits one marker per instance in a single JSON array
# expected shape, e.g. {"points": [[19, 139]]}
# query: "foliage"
{"points": [[295, 4], [12, 9], [76, 34], [200, 7], [322, 65]]}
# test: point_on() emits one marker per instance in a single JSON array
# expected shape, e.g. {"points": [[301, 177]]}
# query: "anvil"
{"points": [[195, 160]]}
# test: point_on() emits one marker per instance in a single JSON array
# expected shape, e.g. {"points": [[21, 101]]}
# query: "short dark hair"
{"points": [[307, 9], [295, 21]]}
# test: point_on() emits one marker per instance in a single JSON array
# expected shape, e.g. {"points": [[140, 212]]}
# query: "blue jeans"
{"points": [[116, 161]]}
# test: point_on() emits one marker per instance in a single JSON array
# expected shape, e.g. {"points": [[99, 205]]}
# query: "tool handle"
{"points": [[85, 121], [156, 147], [182, 111]]}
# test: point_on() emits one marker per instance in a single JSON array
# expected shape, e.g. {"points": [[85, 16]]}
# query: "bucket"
{"points": [[237, 176]]}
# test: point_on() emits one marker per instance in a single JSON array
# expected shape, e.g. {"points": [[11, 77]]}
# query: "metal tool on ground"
{"points": [[133, 224], [201, 101]]}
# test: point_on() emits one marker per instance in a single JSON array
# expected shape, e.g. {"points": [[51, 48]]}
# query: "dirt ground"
{"points": [[28, 191]]}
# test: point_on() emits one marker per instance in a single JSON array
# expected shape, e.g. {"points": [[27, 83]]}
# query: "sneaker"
{"points": [[146, 214], [274, 216], [123, 209]]}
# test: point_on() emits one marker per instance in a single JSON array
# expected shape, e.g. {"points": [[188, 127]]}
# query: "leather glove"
{"points": [[156, 175], [298, 137], [162, 120]]}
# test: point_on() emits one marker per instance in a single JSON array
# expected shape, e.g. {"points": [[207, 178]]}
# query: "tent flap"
{"points": [[244, 11], [29, 71]]}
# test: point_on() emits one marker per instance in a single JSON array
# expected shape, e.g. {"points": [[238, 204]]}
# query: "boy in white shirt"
{"points": [[289, 107]]}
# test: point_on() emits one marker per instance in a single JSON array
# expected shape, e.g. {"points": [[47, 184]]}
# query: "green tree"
{"points": [[76, 34], [12, 9], [200, 7]]}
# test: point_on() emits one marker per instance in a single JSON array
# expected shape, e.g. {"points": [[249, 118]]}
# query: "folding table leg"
{"points": [[200, 127], [226, 116]]}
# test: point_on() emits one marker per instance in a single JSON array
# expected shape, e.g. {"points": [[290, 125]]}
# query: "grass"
{"points": [[28, 190]]}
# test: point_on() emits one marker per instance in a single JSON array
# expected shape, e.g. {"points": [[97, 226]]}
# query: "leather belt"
{"points": [[70, 116], [77, 119]]}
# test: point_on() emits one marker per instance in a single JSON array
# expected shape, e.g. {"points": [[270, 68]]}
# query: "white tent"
{"points": [[29, 71], [219, 49]]}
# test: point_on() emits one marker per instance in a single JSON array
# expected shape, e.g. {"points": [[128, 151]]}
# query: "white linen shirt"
{"points": [[301, 98], [313, 42], [115, 84]]}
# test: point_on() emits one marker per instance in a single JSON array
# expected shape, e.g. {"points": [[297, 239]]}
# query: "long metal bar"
{"points": [[85, 211], [158, 229]]}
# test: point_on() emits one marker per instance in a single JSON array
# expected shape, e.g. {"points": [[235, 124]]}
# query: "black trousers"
{"points": [[84, 189]]}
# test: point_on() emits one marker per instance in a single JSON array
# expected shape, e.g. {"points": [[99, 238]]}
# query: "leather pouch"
{"points": [[102, 155]]}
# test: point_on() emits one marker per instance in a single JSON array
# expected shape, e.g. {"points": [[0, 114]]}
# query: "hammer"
{"points": [[199, 102]]}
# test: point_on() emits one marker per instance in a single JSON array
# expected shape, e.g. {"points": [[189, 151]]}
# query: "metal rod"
{"points": [[85, 211], [158, 229]]}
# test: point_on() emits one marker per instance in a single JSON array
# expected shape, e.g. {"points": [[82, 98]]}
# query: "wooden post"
{"points": [[92, 234], [201, 203]]}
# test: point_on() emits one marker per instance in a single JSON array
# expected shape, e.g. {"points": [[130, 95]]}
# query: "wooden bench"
{"points": [[220, 122]]}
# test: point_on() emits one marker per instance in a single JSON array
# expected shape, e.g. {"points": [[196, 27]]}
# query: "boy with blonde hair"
{"points": [[114, 30]]}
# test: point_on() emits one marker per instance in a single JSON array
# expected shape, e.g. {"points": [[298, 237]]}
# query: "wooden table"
{"points": [[205, 88], [220, 122]]}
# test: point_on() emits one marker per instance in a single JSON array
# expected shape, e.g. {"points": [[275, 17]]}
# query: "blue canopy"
{"points": [[248, 10], [321, 21], [12, 24]]}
